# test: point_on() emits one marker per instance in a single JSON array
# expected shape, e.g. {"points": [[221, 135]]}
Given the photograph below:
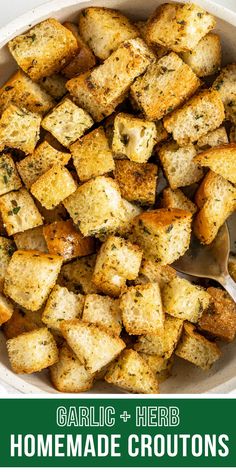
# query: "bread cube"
{"points": [[216, 198], [20, 89], [96, 206], [213, 138], [154, 272], [77, 275], [62, 305], [55, 85], [103, 311], [22, 321], [141, 308], [6, 309], [19, 212], [67, 122], [19, 129], [177, 199], [31, 239], [179, 26], [142, 26], [159, 366], [100, 91], [84, 59], [68, 374], [164, 234], [166, 84], [9, 178], [220, 159], [133, 137], [43, 50], [32, 352], [30, 277], [226, 87], [137, 182], [201, 114], [205, 58], [7, 248], [131, 372], [179, 165], [117, 261], [195, 348], [92, 155], [128, 214], [94, 346]]}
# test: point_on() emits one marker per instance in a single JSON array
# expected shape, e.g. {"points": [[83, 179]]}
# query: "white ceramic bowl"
{"points": [[186, 378]]}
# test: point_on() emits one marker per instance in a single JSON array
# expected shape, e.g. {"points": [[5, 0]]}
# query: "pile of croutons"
{"points": [[117, 140]]}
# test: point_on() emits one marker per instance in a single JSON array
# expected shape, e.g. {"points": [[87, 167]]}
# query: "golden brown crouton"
{"points": [[22, 321], [103, 311], [154, 272], [159, 366], [6, 309], [9, 178], [7, 248], [220, 159], [225, 85], [19, 129], [55, 85], [129, 212], [177, 199], [31, 239], [137, 182], [205, 58], [84, 59], [142, 26], [213, 138], [77, 275]]}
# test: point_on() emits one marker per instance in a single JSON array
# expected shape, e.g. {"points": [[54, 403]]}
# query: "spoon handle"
{"points": [[229, 285]]}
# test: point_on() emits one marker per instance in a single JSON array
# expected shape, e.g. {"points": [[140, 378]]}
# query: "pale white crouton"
{"points": [[225, 84], [9, 178], [6, 309], [220, 159], [205, 58], [62, 305], [77, 275], [31, 239], [19, 129], [103, 311], [137, 182], [177, 199]]}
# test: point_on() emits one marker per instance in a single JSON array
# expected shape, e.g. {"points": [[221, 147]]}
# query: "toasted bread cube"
{"points": [[159, 366], [68, 374], [21, 322], [19, 129], [184, 300], [53, 186], [7, 248], [201, 114], [43, 158], [9, 178], [67, 122], [137, 182], [141, 308], [104, 30], [6, 309], [96, 206], [62, 305], [20, 89], [92, 155], [44, 49], [225, 85], [179, 165], [19, 212], [30, 277], [165, 85], [118, 260], [94, 346], [205, 58], [84, 59], [129, 212], [220, 159], [102, 89], [164, 234], [179, 26], [195, 348], [142, 26], [219, 319], [154, 272], [55, 85], [103, 311], [131, 372], [77, 275], [216, 198], [177, 199], [32, 352], [63, 239], [31, 239], [213, 138], [133, 137]]}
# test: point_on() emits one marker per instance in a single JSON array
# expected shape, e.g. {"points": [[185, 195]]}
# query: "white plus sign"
{"points": [[125, 416]]}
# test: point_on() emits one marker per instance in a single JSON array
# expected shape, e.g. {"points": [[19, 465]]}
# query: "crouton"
{"points": [[53, 187], [32, 352], [129, 212], [142, 26], [117, 261], [133, 137], [94, 346], [102, 89], [63, 239], [43, 158], [165, 85], [55, 85], [62, 305], [7, 248], [19, 129], [213, 138], [77, 275], [22, 321], [20, 89], [84, 59], [205, 58], [164, 234], [67, 122], [92, 155], [9, 178], [225, 85], [131, 372], [103, 311], [57, 214], [220, 159], [216, 198], [104, 30], [179, 165], [201, 114], [68, 374], [6, 309], [177, 199], [137, 182], [179, 26], [159, 366], [43, 50], [30, 277], [96, 206], [195, 348], [154, 272], [141, 308], [31, 239], [19, 212], [184, 300]]}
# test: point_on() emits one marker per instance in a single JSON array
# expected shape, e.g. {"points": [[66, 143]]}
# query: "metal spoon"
{"points": [[209, 261]]}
